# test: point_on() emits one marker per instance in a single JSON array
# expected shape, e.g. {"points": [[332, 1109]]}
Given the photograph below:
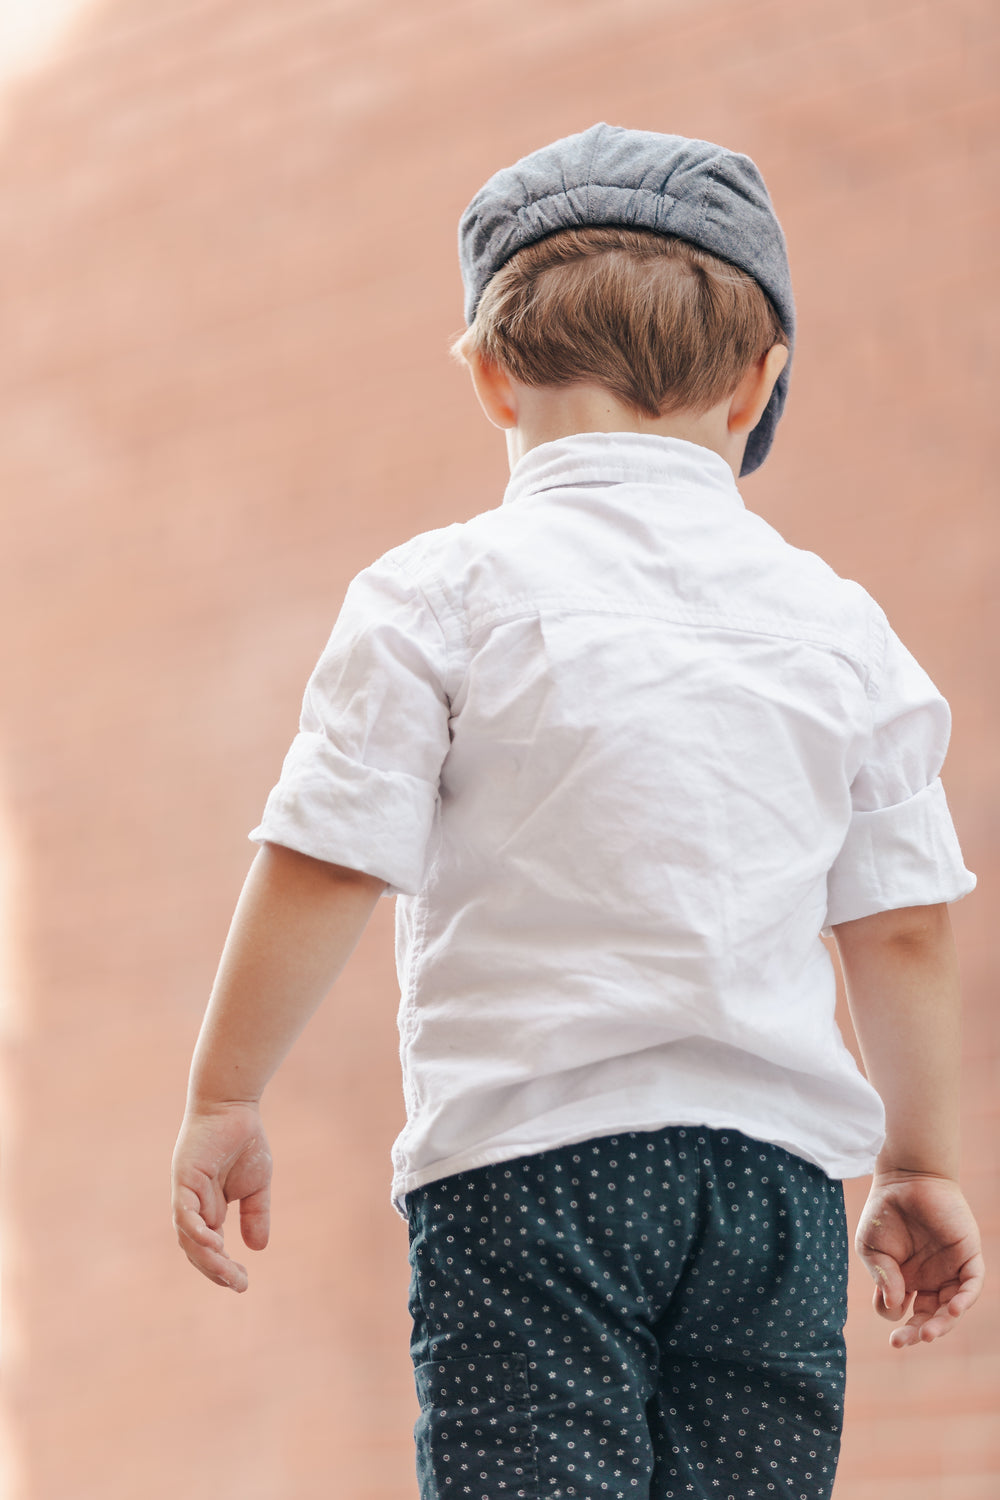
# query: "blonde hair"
{"points": [[662, 324]]}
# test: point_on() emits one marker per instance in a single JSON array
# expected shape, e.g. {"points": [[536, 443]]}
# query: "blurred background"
{"points": [[228, 281]]}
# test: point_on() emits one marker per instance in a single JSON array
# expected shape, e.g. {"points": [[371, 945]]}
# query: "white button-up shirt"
{"points": [[623, 753]]}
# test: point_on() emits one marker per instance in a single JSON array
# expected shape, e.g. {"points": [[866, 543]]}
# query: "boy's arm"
{"points": [[296, 924], [917, 1235]]}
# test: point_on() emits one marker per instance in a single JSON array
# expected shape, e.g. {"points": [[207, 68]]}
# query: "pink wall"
{"points": [[227, 282]]}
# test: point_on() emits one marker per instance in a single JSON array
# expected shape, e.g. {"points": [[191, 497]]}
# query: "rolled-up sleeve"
{"points": [[359, 785], [901, 847]]}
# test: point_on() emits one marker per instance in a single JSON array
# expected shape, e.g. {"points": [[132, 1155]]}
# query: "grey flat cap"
{"points": [[609, 175]]}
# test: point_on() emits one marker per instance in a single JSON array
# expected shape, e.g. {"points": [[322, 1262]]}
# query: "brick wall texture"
{"points": [[227, 285]]}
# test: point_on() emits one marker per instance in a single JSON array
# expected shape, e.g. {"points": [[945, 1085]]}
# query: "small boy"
{"points": [[623, 755]]}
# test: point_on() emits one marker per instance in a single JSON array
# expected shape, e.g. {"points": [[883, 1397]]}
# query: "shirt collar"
{"points": [[621, 457]]}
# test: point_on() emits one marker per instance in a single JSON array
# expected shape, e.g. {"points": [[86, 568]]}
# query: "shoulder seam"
{"points": [[451, 668]]}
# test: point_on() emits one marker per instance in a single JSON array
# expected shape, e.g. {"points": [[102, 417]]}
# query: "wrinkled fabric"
{"points": [[623, 753], [643, 1317]]}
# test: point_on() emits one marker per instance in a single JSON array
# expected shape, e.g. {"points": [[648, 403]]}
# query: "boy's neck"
{"points": [[550, 412], [531, 415]]}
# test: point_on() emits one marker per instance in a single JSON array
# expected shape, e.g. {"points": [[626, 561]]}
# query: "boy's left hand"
{"points": [[221, 1155], [920, 1241]]}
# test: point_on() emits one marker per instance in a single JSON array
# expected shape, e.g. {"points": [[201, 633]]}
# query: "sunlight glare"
{"points": [[31, 32]]}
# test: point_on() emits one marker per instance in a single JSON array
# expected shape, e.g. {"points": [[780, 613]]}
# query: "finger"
{"points": [[919, 1331], [205, 1249], [191, 1224], [890, 1288], [971, 1278], [209, 1207], [930, 1322], [255, 1219], [937, 1326], [883, 1307], [215, 1264], [942, 1320]]}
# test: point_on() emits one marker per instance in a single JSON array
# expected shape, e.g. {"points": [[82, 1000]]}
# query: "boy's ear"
{"points": [[746, 406], [494, 389]]}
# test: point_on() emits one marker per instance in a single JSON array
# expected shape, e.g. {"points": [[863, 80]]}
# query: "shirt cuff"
{"points": [[904, 855], [336, 809]]}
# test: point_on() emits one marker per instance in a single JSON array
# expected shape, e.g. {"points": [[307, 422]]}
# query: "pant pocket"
{"points": [[474, 1434]]}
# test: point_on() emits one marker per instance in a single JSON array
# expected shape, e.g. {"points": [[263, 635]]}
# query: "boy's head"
{"points": [[650, 264], [661, 324]]}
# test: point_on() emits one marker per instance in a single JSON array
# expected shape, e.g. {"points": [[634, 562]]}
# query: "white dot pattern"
{"points": [[650, 1316]]}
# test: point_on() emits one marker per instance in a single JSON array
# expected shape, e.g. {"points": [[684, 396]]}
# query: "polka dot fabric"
{"points": [[649, 1316]]}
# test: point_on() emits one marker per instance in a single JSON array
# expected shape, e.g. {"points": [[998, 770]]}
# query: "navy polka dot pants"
{"points": [[648, 1316]]}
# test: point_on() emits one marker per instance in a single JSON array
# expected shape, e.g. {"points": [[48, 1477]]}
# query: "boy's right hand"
{"points": [[221, 1155], [920, 1242]]}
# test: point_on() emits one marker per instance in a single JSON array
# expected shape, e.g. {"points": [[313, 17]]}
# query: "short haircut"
{"points": [[661, 324]]}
